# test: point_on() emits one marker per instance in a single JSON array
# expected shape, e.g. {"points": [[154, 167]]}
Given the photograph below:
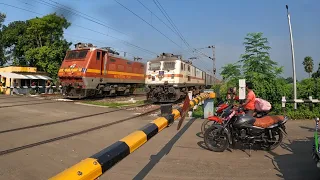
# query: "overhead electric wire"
{"points": [[165, 14], [148, 23], [78, 14], [123, 41], [170, 21], [156, 16]]}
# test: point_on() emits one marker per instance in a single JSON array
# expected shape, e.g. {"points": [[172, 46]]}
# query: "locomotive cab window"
{"points": [[79, 55], [154, 66], [169, 65], [98, 55], [181, 66]]}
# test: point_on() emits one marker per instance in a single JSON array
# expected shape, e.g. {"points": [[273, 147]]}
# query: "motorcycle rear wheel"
{"points": [[211, 136], [276, 144]]}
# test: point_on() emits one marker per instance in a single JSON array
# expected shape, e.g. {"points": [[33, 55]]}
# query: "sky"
{"points": [[202, 23]]}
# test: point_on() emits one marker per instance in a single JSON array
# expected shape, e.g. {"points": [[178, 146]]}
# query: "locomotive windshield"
{"points": [[154, 66], [78, 55], [169, 65]]}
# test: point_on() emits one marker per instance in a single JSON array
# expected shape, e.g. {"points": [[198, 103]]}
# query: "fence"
{"points": [[96, 165], [309, 101]]}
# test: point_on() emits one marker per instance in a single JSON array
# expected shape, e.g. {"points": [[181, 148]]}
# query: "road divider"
{"points": [[94, 166]]}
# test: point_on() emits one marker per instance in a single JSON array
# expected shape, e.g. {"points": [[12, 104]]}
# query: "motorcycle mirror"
{"points": [[316, 119]]}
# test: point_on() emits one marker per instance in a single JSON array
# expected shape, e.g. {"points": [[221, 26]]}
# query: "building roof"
{"points": [[20, 76]]}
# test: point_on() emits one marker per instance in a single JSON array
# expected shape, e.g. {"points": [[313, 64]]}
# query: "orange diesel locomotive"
{"points": [[89, 71]]}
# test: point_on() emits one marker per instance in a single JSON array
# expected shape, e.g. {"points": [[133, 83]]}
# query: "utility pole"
{"points": [[213, 60], [293, 60]]}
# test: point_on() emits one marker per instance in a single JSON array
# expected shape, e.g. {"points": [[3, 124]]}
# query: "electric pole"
{"points": [[293, 60], [213, 60]]}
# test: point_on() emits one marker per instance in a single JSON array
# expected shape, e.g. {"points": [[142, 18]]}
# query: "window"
{"points": [[154, 66], [189, 78], [25, 82], [195, 72], [181, 66], [169, 65], [189, 68], [98, 55], [103, 54], [76, 54]]}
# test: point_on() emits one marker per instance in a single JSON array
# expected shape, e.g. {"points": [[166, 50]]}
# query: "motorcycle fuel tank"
{"points": [[244, 121]]}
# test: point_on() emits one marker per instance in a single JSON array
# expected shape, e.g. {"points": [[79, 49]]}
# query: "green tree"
{"points": [[230, 71], [15, 42], [2, 57], [317, 73], [289, 80], [38, 42], [308, 65], [256, 60], [259, 69]]}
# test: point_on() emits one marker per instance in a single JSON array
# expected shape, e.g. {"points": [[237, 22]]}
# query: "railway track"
{"points": [[70, 119], [19, 148]]}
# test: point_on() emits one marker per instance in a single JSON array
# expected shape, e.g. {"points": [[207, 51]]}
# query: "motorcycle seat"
{"points": [[267, 121]]}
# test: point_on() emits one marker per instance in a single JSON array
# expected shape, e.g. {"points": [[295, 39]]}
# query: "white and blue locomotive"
{"points": [[169, 78]]}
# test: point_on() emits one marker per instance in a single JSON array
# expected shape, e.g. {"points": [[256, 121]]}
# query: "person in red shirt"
{"points": [[248, 105]]}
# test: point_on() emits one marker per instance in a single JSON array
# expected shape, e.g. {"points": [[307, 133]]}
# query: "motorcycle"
{"points": [[220, 116], [216, 118], [267, 132], [315, 147]]}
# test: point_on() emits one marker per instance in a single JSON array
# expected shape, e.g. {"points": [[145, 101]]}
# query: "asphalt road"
{"points": [[171, 154]]}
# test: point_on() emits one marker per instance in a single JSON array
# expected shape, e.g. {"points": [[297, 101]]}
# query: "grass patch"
{"points": [[198, 113], [114, 104]]}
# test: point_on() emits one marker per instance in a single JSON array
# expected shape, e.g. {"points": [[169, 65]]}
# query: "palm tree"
{"points": [[308, 64]]}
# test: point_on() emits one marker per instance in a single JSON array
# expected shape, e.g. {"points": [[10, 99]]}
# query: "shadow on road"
{"points": [[298, 163], [154, 159], [308, 128]]}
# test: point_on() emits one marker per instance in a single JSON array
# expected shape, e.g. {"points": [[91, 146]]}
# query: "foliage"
{"points": [[289, 80], [256, 60], [317, 73], [198, 113], [308, 65], [230, 72], [37, 42], [258, 68], [2, 57]]}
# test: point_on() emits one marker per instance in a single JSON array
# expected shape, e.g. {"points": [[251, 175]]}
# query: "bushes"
{"points": [[273, 90]]}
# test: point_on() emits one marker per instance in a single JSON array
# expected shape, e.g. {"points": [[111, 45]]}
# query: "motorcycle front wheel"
{"points": [[215, 140], [205, 125]]}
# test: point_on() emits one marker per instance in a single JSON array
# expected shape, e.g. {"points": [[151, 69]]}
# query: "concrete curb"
{"points": [[97, 164]]}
